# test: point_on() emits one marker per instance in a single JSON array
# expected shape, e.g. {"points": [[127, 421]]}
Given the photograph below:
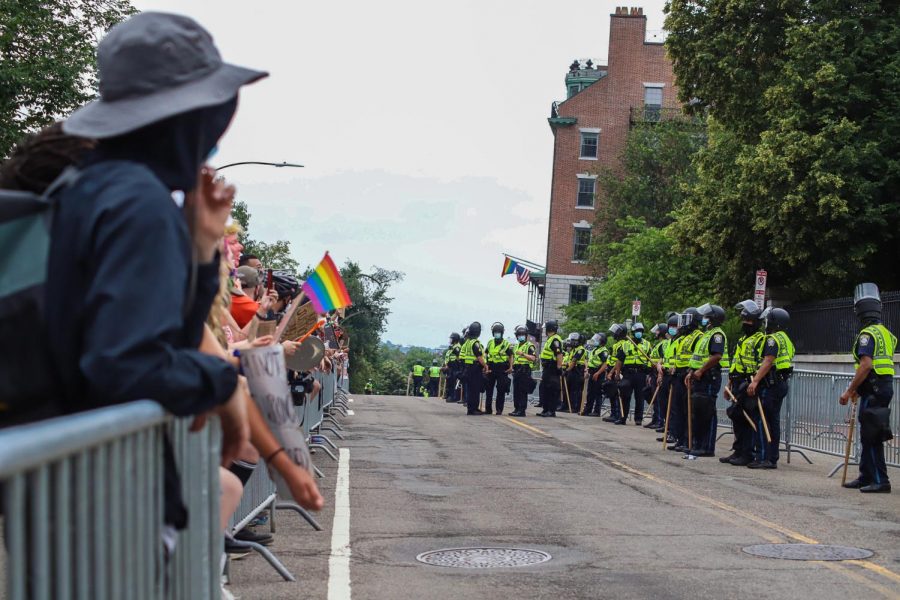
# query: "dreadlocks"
{"points": [[38, 159]]}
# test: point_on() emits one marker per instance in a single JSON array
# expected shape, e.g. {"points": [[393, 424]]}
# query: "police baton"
{"points": [[668, 413], [734, 401], [851, 426]]}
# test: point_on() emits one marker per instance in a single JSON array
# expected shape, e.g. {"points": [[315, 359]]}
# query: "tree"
{"points": [[47, 60], [641, 268], [656, 170], [802, 173], [276, 255], [364, 322], [390, 379]]}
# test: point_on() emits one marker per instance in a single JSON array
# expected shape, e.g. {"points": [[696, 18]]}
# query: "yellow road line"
{"points": [[789, 533]]}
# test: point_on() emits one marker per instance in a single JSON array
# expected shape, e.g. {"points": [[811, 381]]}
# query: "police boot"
{"points": [[856, 484], [876, 488]]}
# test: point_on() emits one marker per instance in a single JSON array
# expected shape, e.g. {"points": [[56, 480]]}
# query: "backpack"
{"points": [[26, 372]]}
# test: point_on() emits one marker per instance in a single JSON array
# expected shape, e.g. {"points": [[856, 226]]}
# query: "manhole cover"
{"points": [[807, 552], [483, 558]]}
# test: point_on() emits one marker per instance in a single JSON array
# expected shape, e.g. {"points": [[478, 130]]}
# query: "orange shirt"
{"points": [[242, 309]]}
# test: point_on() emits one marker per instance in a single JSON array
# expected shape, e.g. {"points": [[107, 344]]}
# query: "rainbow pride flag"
{"points": [[509, 267], [325, 288]]}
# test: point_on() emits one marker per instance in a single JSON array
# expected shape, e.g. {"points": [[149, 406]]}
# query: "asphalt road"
{"points": [[620, 517]]}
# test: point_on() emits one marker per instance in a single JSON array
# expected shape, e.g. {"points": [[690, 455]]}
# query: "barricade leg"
{"points": [[300, 511], [334, 431], [325, 448], [270, 558]]}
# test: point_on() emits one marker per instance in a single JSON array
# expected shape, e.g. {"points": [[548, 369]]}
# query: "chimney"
{"points": [[637, 11]]}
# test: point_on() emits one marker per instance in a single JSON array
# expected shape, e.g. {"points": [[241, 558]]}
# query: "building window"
{"points": [[573, 89], [652, 102], [653, 97], [582, 241], [586, 187], [578, 293], [589, 144]]}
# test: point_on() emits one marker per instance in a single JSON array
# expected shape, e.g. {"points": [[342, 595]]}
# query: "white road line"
{"points": [[339, 562]]}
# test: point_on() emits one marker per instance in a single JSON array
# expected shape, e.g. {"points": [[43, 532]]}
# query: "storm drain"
{"points": [[807, 552], [483, 558]]}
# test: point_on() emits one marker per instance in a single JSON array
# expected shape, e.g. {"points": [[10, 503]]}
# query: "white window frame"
{"points": [[581, 176], [582, 224], [595, 130], [655, 86]]}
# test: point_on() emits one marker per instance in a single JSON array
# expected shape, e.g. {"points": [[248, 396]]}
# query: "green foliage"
{"points": [[642, 267], [802, 172], [655, 172], [365, 321], [47, 62], [423, 356], [390, 379]]}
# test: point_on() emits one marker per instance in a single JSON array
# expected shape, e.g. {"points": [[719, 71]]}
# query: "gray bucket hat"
{"points": [[154, 66]]}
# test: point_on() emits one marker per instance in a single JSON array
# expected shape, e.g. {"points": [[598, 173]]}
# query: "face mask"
{"points": [[673, 331], [748, 328], [704, 321], [521, 338], [638, 335], [498, 336]]}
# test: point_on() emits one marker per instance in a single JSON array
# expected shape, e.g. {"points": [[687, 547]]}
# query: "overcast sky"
{"points": [[423, 128]]}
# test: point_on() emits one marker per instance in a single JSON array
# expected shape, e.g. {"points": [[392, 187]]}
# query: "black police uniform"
{"points": [[595, 388], [575, 379], [703, 397], [875, 395], [550, 375], [474, 380], [497, 377]]}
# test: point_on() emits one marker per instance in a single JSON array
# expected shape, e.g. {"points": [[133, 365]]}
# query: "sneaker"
{"points": [[248, 535]]}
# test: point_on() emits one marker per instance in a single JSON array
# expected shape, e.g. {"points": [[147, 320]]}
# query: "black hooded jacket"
{"points": [[120, 271]]}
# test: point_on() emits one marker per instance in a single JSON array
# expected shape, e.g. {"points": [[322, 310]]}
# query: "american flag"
{"points": [[523, 275]]}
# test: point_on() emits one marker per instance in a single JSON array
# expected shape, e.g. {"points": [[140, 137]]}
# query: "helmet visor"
{"points": [[705, 310], [685, 319], [866, 291], [748, 306]]}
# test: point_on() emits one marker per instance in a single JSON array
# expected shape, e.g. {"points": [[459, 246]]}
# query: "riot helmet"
{"points": [[618, 331], [713, 313], [638, 330], [750, 310], [775, 319], [689, 320], [601, 339], [474, 330], [454, 338], [498, 327], [551, 326], [521, 330], [867, 302]]}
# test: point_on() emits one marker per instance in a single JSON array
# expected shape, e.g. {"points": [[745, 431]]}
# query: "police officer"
{"points": [[656, 374], [771, 385], [575, 371], [551, 370], [370, 388], [434, 377], [472, 356], [524, 359], [418, 371], [618, 332], [451, 368], [744, 364], [597, 365], [873, 353], [668, 373], [632, 375], [709, 358], [499, 356], [689, 335]]}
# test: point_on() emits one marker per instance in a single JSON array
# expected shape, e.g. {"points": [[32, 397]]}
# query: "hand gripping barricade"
{"points": [[83, 507]]}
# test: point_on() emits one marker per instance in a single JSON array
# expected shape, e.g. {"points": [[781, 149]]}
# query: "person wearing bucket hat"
{"points": [[131, 276]]}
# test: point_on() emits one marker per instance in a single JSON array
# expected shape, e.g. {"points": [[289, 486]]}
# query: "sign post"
{"points": [[759, 295], [636, 308]]}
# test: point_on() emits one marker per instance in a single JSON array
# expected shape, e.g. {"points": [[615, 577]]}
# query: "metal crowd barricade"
{"points": [[83, 507]]}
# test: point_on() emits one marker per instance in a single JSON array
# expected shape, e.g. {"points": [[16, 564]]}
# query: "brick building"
{"points": [[589, 131]]}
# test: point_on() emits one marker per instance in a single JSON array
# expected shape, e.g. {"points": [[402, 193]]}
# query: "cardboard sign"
{"points": [[759, 294], [267, 375], [301, 321]]}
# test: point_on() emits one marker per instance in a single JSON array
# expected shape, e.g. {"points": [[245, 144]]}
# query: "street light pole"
{"points": [[256, 162]]}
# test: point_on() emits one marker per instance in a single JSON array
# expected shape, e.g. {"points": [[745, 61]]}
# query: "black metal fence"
{"points": [[830, 326]]}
